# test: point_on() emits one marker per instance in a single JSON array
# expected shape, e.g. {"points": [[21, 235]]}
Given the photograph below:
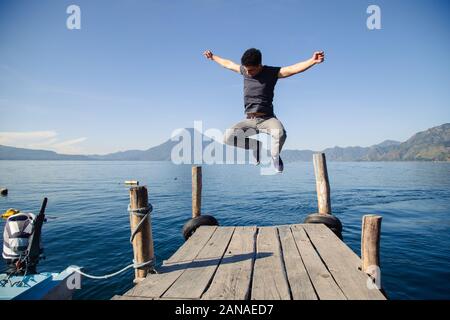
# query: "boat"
{"points": [[22, 251], [39, 286]]}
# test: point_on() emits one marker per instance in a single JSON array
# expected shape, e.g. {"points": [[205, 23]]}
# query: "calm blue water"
{"points": [[89, 226]]}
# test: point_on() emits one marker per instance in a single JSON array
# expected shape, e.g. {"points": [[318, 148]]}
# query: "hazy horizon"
{"points": [[317, 150]]}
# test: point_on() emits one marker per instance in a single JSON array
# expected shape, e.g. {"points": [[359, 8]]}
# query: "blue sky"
{"points": [[135, 70]]}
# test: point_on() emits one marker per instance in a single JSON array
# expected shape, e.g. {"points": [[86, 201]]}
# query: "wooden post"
{"points": [[196, 191], [370, 244], [143, 240], [322, 183]]}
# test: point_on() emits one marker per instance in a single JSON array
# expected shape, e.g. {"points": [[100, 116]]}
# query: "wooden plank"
{"points": [[189, 250], [324, 284], [269, 278], [117, 297], [173, 299], [342, 262], [155, 285], [233, 277], [299, 282], [194, 281]]}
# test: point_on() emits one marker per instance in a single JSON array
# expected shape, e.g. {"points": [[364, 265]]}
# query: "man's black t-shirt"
{"points": [[258, 90]]}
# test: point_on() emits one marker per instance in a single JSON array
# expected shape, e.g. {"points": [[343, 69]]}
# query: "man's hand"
{"points": [[318, 57], [223, 62], [208, 55]]}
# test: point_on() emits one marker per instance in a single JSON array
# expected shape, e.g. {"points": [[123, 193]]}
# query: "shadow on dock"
{"points": [[165, 268]]}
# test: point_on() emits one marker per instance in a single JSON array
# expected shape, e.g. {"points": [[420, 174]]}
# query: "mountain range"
{"points": [[429, 145]]}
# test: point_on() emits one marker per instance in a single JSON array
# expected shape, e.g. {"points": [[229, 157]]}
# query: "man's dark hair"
{"points": [[251, 57]]}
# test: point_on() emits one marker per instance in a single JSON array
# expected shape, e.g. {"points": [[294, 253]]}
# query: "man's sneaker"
{"points": [[278, 164]]}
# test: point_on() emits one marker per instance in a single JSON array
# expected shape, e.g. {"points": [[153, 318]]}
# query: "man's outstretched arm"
{"points": [[223, 62], [317, 58]]}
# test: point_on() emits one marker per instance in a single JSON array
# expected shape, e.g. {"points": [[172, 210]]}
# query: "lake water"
{"points": [[88, 223]]}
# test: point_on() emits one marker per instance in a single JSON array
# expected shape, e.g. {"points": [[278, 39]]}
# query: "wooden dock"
{"points": [[292, 262], [305, 261]]}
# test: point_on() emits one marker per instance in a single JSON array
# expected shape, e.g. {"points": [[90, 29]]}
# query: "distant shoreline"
{"points": [[429, 145]]}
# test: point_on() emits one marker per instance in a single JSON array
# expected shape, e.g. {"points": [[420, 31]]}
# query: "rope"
{"points": [[107, 276], [140, 212]]}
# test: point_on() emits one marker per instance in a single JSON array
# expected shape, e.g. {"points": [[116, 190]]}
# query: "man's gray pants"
{"points": [[238, 135]]}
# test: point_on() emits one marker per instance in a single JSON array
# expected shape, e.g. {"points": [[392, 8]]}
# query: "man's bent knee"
{"points": [[279, 134]]}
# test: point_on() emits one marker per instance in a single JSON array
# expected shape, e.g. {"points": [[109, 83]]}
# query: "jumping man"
{"points": [[259, 84]]}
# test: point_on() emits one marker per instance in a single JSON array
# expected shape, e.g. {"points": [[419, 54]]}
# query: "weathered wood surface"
{"points": [[269, 276], [156, 285], [300, 262], [196, 191], [322, 183], [143, 240], [370, 243], [234, 274], [196, 277], [343, 263], [323, 282], [299, 281]]}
